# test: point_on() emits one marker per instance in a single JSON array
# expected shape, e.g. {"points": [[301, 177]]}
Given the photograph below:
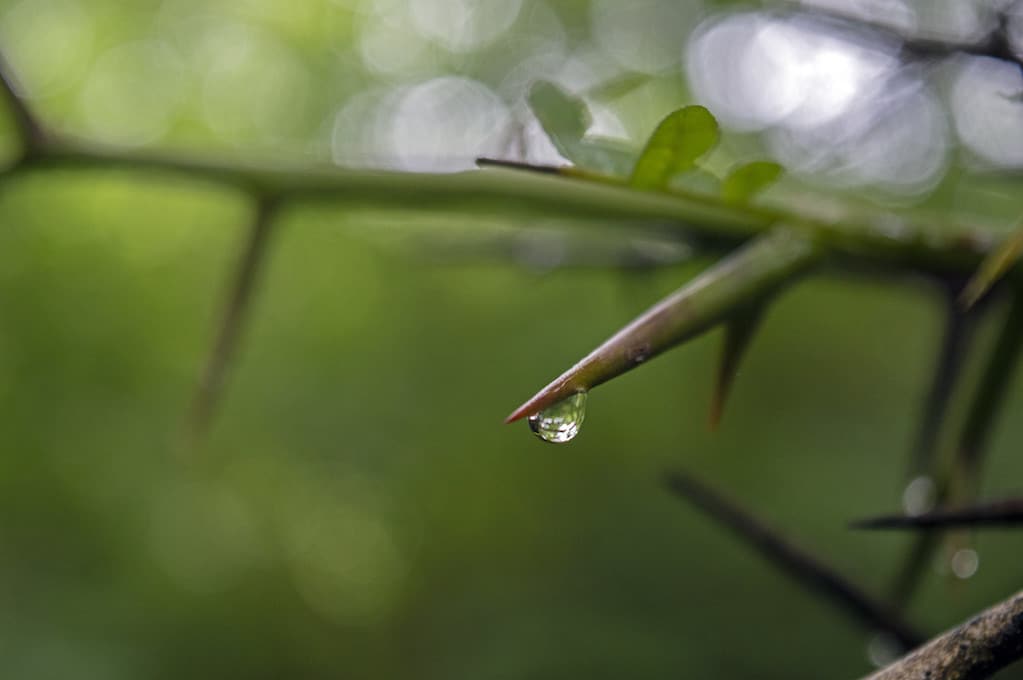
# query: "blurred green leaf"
{"points": [[746, 181], [678, 141], [565, 119], [993, 268], [698, 181]]}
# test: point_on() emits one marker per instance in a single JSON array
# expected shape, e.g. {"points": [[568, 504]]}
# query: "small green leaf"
{"points": [[564, 118], [678, 141], [746, 181]]}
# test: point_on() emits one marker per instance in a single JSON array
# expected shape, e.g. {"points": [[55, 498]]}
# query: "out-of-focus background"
{"points": [[359, 511]]}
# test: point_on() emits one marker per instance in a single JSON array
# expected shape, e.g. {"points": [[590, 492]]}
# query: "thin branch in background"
{"points": [[232, 319], [806, 569], [975, 650], [1003, 513], [961, 481], [30, 130], [988, 402], [955, 343]]}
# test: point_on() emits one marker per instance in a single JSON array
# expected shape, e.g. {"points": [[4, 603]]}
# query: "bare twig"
{"points": [[806, 569], [961, 481], [1002, 513], [975, 650], [989, 400], [232, 319], [958, 332]]}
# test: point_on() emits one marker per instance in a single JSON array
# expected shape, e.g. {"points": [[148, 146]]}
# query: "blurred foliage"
{"points": [[359, 511]]}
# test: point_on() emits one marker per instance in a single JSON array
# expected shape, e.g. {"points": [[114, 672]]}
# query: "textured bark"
{"points": [[977, 649]]}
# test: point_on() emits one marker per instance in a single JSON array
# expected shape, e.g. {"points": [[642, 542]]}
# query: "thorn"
{"points": [[484, 162], [208, 394], [1008, 512], [993, 268], [739, 331]]}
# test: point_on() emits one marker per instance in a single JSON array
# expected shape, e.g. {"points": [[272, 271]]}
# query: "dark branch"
{"points": [[989, 400], [975, 650], [955, 344], [806, 569], [995, 514]]}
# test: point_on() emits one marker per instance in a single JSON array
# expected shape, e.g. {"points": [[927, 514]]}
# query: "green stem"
{"points": [[709, 220]]}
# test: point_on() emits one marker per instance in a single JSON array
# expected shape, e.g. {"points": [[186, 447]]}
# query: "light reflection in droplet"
{"points": [[964, 563], [560, 422], [919, 496]]}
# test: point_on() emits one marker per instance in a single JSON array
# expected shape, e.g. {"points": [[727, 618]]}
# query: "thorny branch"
{"points": [[980, 647], [806, 569]]}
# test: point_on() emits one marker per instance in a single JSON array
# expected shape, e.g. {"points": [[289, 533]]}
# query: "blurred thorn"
{"points": [[955, 343], [753, 272], [988, 402], [993, 268], [1001, 513], [484, 162], [795, 562], [960, 482], [209, 391], [739, 331], [30, 131]]}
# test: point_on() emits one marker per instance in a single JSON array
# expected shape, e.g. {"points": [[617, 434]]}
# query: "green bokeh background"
{"points": [[359, 510]]}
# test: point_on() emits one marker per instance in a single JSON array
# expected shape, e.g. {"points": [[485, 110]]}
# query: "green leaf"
{"points": [[678, 141], [565, 119], [746, 181]]}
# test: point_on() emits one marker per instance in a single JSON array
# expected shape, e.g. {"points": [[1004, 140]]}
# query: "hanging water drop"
{"points": [[561, 422]]}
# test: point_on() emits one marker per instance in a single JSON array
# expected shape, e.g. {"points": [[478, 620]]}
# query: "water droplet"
{"points": [[919, 496], [965, 563], [561, 422]]}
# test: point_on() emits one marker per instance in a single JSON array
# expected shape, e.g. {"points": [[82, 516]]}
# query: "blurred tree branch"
{"points": [[794, 561]]}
